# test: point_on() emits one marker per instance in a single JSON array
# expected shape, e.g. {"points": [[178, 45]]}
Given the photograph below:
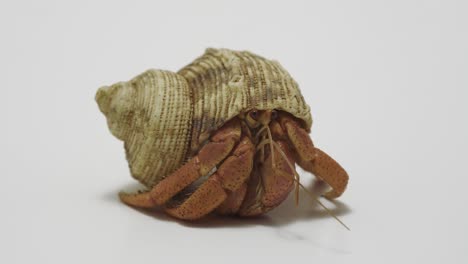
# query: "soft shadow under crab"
{"points": [[282, 216]]}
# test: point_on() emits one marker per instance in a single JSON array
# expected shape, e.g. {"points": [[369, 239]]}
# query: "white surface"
{"points": [[387, 83]]}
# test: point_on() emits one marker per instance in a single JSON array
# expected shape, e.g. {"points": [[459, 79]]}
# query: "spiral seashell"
{"points": [[164, 117], [152, 114]]}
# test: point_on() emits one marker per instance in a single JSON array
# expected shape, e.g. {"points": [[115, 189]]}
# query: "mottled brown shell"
{"points": [[164, 117]]}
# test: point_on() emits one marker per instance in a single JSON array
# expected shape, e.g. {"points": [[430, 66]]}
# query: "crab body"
{"points": [[222, 134]]}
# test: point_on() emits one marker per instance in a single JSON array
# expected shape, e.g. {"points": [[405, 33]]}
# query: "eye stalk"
{"points": [[254, 114], [255, 118], [274, 114]]}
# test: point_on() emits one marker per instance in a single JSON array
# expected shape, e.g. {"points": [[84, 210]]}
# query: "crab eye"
{"points": [[254, 114], [274, 114]]}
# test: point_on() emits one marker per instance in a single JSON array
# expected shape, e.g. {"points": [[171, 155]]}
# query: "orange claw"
{"points": [[315, 160], [277, 177], [330, 171]]}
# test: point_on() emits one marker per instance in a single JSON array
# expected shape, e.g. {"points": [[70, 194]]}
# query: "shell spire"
{"points": [[152, 114]]}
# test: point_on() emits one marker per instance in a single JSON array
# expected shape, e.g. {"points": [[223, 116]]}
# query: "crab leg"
{"points": [[221, 144], [230, 177], [329, 171], [233, 201], [313, 159]]}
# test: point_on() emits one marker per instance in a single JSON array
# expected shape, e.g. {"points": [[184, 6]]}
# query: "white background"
{"points": [[387, 82]]}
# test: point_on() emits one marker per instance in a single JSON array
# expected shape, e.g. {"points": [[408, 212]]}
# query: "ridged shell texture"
{"points": [[153, 121]]}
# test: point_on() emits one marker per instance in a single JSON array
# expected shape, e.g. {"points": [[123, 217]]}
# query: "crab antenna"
{"points": [[271, 146], [268, 140], [323, 206], [259, 132]]}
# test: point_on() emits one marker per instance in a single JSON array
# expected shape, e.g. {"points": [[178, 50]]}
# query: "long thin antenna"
{"points": [[271, 146], [259, 132], [323, 206]]}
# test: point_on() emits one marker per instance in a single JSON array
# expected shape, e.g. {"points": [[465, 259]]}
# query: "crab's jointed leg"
{"points": [[233, 201], [313, 159], [221, 144], [229, 178]]}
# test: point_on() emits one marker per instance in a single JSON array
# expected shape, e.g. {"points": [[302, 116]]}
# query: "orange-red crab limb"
{"points": [[253, 159], [313, 159], [229, 177]]}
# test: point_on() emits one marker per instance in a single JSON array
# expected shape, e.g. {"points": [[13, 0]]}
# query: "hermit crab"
{"points": [[222, 135]]}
